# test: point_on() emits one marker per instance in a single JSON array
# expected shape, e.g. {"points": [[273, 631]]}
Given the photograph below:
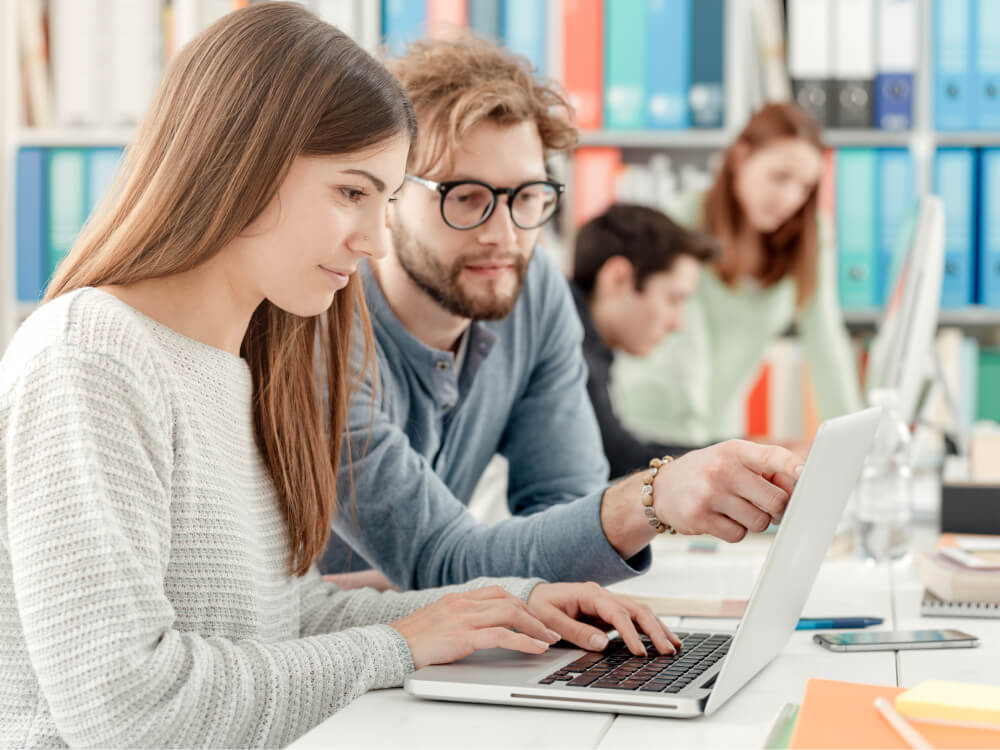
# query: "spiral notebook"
{"points": [[934, 606]]}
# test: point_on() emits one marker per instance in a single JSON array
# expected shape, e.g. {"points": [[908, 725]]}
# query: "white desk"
{"points": [[845, 586]]}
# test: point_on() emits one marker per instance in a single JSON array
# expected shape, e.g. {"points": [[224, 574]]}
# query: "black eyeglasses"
{"points": [[466, 204]]}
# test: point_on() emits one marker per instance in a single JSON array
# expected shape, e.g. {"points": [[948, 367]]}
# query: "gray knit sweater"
{"points": [[145, 598]]}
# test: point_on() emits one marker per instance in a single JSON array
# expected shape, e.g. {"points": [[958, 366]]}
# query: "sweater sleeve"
{"points": [[828, 349], [325, 608], [88, 459]]}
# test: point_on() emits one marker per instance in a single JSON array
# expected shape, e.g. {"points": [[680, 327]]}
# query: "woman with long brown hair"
{"points": [[777, 267], [168, 459]]}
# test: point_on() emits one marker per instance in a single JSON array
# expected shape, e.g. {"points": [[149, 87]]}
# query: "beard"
{"points": [[442, 283]]}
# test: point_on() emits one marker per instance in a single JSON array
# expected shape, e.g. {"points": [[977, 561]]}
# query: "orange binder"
{"points": [[446, 17], [843, 715], [595, 172], [757, 406], [582, 56]]}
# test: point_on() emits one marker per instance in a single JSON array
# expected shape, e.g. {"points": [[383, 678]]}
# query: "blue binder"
{"points": [[897, 194], [955, 182], [403, 21], [31, 224], [986, 74], [524, 27], [102, 165], [669, 66], [707, 95], [989, 229], [625, 69], [857, 226], [953, 59]]}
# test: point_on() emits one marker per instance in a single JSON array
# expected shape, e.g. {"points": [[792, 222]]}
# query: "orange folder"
{"points": [[843, 715], [757, 404], [582, 60], [595, 173]]}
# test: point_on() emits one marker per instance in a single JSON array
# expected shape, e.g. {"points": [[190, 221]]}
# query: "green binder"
{"points": [[67, 195], [625, 64], [857, 227]]}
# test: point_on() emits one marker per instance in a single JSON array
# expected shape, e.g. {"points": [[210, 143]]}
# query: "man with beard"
{"points": [[479, 352]]}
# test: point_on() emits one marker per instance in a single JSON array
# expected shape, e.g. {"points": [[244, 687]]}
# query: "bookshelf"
{"points": [[691, 146]]}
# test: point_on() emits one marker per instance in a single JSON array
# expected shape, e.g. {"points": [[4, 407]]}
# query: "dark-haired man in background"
{"points": [[634, 270]]}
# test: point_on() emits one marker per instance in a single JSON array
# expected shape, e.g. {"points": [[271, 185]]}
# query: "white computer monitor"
{"points": [[901, 353]]}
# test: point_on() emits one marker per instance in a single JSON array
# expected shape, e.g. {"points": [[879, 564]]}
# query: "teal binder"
{"points": [[67, 199], [857, 235], [485, 18], [707, 95], [625, 64], [897, 191]]}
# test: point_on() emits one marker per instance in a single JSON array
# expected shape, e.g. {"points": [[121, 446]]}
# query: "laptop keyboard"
{"points": [[618, 668]]}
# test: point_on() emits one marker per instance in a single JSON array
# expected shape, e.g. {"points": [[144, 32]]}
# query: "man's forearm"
{"points": [[622, 517]]}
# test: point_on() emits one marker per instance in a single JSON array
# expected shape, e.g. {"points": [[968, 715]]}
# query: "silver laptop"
{"points": [[712, 666]]}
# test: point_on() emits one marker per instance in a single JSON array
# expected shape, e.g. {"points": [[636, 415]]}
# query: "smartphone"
{"points": [[894, 640]]}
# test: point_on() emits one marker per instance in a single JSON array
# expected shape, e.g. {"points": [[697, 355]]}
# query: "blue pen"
{"points": [[831, 623]]}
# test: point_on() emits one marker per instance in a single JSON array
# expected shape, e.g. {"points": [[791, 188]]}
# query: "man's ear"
{"points": [[615, 277]]}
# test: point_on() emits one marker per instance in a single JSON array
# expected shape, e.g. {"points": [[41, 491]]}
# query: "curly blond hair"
{"points": [[457, 83]]}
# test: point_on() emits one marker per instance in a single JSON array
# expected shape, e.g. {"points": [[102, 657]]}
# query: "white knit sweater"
{"points": [[145, 598]]}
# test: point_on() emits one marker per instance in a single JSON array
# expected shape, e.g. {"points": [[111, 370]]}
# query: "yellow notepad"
{"points": [[952, 702]]}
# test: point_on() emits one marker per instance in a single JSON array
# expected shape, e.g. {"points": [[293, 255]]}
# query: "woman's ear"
{"points": [[615, 277]]}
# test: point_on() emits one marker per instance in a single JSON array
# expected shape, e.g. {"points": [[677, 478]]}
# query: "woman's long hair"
{"points": [[794, 246], [236, 106]]}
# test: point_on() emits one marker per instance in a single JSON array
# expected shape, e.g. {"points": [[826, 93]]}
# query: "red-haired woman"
{"points": [[776, 268]]}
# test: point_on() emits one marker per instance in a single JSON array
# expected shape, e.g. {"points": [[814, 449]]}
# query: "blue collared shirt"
{"points": [[419, 445]]}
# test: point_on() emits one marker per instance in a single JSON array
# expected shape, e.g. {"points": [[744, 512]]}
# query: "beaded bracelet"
{"points": [[655, 465]]}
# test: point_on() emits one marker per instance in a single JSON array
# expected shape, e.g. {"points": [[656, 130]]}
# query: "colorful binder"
{"points": [[67, 201], [989, 229], [485, 18], [707, 95], [625, 66], [581, 55], [853, 63], [896, 63], [445, 17], [897, 193], [953, 59], [810, 56], [31, 225], [857, 226], [986, 73], [403, 21], [669, 64], [955, 182], [595, 171], [524, 29], [102, 165]]}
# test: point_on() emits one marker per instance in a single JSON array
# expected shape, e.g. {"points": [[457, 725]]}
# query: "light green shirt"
{"points": [[693, 388]]}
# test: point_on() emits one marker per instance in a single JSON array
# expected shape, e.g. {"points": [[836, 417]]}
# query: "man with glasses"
{"points": [[478, 352]]}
